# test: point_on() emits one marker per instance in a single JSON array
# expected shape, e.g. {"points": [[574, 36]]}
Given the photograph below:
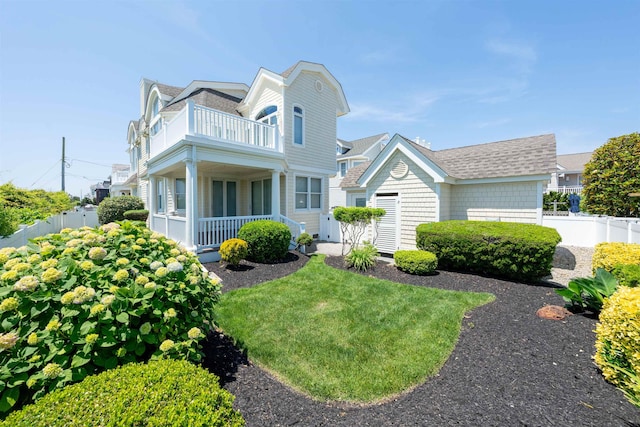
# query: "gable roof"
{"points": [[209, 98], [351, 177], [522, 157], [171, 91], [360, 146], [573, 162]]}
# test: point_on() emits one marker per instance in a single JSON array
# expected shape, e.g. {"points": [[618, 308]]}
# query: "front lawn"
{"points": [[335, 335]]}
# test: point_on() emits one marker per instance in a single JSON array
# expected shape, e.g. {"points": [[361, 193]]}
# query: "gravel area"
{"points": [[509, 367]]}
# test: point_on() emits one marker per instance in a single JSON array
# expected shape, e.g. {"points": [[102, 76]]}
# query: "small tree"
{"points": [[611, 175], [354, 221]]}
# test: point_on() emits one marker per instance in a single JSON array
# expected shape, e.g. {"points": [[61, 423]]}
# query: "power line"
{"points": [[47, 171], [91, 163]]}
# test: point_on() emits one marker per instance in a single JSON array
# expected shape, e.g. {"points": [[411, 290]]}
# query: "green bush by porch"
{"points": [[505, 249], [268, 240], [339, 336], [113, 208]]}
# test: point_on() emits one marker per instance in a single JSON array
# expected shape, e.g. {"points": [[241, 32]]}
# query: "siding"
{"points": [[416, 191], [445, 202], [311, 218], [512, 202], [319, 149], [270, 95]]}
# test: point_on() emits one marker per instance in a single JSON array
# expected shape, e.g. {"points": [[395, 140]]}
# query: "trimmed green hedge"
{"points": [[268, 240], [511, 250], [627, 275], [113, 208], [416, 262], [161, 393], [136, 215]]}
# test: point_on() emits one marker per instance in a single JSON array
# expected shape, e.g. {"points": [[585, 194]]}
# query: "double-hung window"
{"points": [[181, 194], [157, 106], [298, 125], [308, 193], [343, 169], [160, 196]]}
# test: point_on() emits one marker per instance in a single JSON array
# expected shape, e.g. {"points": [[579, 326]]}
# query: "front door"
{"points": [[388, 236], [223, 198]]}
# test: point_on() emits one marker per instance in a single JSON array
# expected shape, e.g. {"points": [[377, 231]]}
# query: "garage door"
{"points": [[388, 240]]}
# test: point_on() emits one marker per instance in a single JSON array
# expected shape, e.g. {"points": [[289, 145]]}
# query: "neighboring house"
{"points": [[100, 191], [212, 156], [568, 176], [119, 176], [498, 181], [350, 154]]}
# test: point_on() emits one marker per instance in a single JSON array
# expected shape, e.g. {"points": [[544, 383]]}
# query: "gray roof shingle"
{"points": [[359, 146], [171, 91], [351, 177], [209, 98], [574, 162]]}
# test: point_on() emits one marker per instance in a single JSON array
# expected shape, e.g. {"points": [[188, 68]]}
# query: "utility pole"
{"points": [[63, 163]]}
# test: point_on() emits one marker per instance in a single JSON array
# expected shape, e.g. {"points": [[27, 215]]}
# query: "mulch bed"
{"points": [[509, 367]]}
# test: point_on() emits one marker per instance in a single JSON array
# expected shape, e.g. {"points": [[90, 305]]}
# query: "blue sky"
{"points": [[452, 72]]}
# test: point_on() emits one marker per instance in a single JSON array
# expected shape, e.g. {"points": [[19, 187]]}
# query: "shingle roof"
{"points": [[286, 73], [351, 177], [359, 146], [209, 98], [172, 91], [574, 162]]}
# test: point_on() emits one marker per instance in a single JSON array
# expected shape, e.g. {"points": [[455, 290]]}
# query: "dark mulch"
{"points": [[509, 367]]}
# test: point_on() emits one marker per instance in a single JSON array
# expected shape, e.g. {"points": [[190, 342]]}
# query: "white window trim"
{"points": [[293, 124], [175, 195], [322, 193], [225, 195], [161, 196]]}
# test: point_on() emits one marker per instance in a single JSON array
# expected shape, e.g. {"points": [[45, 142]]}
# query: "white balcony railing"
{"points": [[119, 177], [200, 121], [568, 189]]}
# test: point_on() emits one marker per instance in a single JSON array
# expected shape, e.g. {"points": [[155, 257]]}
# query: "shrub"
{"points": [[362, 258], [354, 221], [268, 240], [113, 208], [589, 293], [161, 393], [511, 250], [608, 255], [304, 239], [136, 215], [30, 205], [611, 175], [233, 251], [627, 275], [86, 300], [617, 343], [554, 196], [8, 221], [416, 262]]}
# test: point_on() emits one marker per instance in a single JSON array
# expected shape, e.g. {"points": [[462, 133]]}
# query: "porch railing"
{"points": [[198, 120], [566, 189], [213, 231]]}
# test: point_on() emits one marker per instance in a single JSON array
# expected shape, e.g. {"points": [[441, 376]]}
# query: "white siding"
{"points": [[416, 191], [319, 149], [445, 202], [511, 202]]}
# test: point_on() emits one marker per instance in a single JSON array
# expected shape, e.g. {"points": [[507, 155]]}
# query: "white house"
{"points": [[212, 156], [350, 154], [499, 181], [568, 176], [119, 176]]}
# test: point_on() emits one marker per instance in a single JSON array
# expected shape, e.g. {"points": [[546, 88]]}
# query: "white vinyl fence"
{"points": [[52, 225], [587, 231]]}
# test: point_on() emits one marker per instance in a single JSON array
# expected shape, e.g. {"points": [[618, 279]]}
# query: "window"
{"points": [[261, 197], [157, 106], [160, 196], [298, 126], [361, 202], [268, 115], [224, 204], [181, 194], [343, 168], [308, 193]]}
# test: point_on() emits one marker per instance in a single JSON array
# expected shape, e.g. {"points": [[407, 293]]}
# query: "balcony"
{"points": [[566, 189], [120, 177], [216, 127]]}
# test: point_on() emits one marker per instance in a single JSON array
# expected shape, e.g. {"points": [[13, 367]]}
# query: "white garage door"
{"points": [[388, 240]]}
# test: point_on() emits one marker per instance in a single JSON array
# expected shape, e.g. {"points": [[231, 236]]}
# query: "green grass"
{"points": [[339, 336]]}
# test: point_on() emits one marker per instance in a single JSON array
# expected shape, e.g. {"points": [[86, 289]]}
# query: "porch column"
{"points": [[151, 199], [189, 213], [275, 195]]}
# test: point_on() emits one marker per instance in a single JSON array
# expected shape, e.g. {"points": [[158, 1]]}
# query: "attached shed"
{"points": [[498, 181]]}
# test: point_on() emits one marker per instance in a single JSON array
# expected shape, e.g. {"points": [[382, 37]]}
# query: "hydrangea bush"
{"points": [[82, 301]]}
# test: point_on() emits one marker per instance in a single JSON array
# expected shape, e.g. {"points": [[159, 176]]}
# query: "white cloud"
{"points": [[414, 109], [522, 56], [492, 123], [377, 57]]}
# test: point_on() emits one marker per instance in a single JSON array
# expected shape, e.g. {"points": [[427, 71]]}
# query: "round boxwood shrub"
{"points": [[136, 215], [268, 240], [161, 393], [82, 301], [233, 251], [416, 262], [113, 208], [617, 343]]}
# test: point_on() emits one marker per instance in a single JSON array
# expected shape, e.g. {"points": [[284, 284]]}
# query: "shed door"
{"points": [[388, 240]]}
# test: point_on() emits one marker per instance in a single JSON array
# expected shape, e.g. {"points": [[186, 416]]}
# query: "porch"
{"points": [[216, 129]]}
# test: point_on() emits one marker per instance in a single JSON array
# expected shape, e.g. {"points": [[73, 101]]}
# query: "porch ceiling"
{"points": [[211, 168]]}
